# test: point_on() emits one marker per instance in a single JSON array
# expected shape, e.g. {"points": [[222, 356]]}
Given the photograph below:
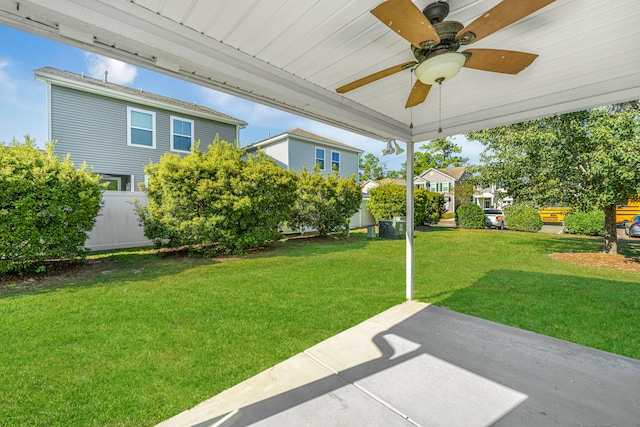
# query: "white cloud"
{"points": [[22, 104], [7, 85], [118, 72]]}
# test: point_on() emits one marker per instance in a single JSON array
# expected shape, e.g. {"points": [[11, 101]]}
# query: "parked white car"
{"points": [[494, 218]]}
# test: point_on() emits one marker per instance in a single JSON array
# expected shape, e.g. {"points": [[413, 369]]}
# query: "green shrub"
{"points": [[47, 206], [325, 203], [387, 201], [390, 200], [590, 223], [217, 199], [470, 215], [428, 206], [521, 217]]}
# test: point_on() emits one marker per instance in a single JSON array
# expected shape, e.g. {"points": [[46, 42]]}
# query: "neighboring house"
{"points": [[492, 197], [118, 130], [485, 197], [442, 181], [298, 148], [371, 183]]}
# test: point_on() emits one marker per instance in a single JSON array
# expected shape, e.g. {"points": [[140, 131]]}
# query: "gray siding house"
{"points": [[118, 130], [298, 148], [442, 181]]}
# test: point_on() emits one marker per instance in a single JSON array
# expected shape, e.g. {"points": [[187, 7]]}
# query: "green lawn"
{"points": [[154, 336]]}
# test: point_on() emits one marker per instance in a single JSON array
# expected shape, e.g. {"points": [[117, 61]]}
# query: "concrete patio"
{"points": [[418, 364]]}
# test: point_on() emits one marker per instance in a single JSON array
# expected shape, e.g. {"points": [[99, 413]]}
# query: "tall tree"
{"points": [[438, 153], [585, 159], [371, 167]]}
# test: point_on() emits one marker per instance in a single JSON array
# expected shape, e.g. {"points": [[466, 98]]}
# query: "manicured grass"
{"points": [[155, 336]]}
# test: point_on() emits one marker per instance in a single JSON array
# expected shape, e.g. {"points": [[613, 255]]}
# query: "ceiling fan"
{"points": [[435, 42]]}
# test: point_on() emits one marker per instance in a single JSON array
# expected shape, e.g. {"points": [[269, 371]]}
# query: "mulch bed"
{"points": [[600, 260]]}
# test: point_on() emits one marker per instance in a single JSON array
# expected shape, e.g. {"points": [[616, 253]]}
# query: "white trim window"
{"points": [[335, 160], [320, 158], [181, 134], [114, 183], [141, 128]]}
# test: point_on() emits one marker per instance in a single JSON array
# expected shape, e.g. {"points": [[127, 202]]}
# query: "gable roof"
{"points": [[455, 172], [308, 136], [385, 181], [88, 84]]}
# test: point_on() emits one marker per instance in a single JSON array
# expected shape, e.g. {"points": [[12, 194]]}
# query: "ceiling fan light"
{"points": [[440, 68]]}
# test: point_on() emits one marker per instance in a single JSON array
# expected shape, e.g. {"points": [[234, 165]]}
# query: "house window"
{"points": [[335, 160], [141, 128], [181, 134], [433, 187], [446, 186], [320, 158], [113, 183]]}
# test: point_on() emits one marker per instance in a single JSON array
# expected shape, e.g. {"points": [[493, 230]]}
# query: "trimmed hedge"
{"points": [[589, 223], [521, 217], [47, 206], [390, 200], [470, 215]]}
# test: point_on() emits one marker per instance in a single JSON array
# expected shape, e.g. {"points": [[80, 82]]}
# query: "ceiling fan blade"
{"points": [[404, 18], [503, 14], [418, 94], [374, 77], [499, 61]]}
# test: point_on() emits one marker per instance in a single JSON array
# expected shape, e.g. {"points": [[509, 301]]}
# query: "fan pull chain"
{"points": [[440, 80], [411, 109]]}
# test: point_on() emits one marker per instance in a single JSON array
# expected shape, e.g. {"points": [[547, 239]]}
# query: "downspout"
{"points": [[410, 219], [49, 131], [238, 127]]}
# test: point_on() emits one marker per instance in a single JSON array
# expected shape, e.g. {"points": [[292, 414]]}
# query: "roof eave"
{"points": [[89, 88]]}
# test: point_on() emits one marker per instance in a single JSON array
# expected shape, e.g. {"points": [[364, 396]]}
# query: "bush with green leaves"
{"points": [[217, 199], [325, 203], [470, 215], [390, 200], [428, 206], [589, 223], [521, 217], [47, 206]]}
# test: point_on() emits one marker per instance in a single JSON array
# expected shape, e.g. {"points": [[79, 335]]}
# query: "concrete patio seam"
{"points": [[364, 390]]}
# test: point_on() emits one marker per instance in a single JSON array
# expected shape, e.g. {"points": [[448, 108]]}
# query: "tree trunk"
{"points": [[610, 231]]}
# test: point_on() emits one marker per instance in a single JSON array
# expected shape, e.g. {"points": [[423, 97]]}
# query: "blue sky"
{"points": [[23, 111]]}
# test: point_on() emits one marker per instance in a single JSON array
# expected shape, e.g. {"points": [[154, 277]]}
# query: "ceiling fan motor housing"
{"points": [[447, 31], [436, 12]]}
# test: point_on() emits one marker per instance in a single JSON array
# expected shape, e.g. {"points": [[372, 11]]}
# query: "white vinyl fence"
{"points": [[117, 223], [363, 217]]}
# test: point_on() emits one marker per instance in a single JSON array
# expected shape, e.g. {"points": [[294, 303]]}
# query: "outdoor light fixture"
{"points": [[391, 149], [388, 150], [399, 150], [440, 68]]}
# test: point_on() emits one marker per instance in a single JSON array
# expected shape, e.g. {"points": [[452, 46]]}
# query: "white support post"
{"points": [[409, 240]]}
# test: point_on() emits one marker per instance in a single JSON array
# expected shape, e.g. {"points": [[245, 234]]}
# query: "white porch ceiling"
{"points": [[292, 54]]}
